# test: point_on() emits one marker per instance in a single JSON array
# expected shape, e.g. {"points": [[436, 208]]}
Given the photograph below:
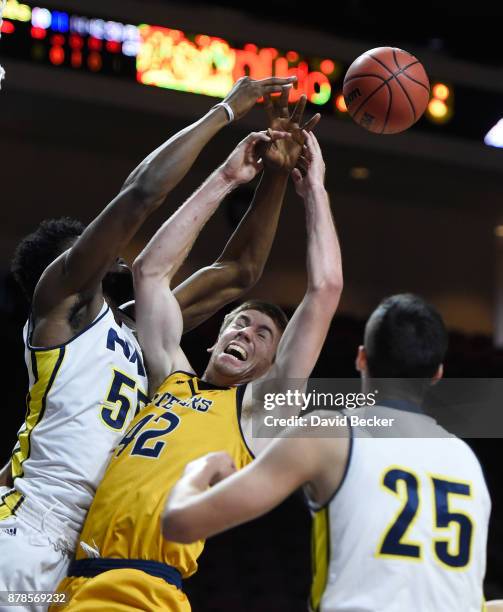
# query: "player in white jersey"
{"points": [[400, 520], [87, 378]]}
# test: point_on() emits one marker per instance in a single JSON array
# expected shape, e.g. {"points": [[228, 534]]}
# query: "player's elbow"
{"points": [[144, 269], [241, 275], [328, 290], [248, 275], [176, 527], [140, 268], [147, 195]]}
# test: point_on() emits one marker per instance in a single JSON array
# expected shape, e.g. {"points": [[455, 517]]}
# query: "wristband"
{"points": [[228, 110]]}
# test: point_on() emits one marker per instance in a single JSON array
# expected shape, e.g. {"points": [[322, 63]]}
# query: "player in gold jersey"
{"points": [[124, 562]]}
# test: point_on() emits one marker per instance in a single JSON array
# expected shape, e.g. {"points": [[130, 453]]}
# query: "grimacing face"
{"points": [[246, 348]]}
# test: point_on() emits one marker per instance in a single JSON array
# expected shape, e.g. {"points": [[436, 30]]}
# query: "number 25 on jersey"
{"points": [[451, 551]]}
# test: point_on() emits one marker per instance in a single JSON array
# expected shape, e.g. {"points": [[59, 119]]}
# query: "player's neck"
{"points": [[220, 380], [121, 316], [397, 390]]}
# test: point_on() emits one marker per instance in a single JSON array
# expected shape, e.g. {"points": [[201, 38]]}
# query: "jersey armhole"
{"points": [[40, 349], [240, 393], [315, 507]]}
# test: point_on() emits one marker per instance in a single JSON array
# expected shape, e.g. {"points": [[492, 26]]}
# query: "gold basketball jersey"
{"points": [[187, 418]]}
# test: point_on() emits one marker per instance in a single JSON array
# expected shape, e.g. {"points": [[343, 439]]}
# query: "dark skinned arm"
{"points": [[242, 262], [77, 274]]}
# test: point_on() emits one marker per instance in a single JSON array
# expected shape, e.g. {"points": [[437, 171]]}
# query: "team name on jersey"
{"points": [[167, 400], [132, 355]]}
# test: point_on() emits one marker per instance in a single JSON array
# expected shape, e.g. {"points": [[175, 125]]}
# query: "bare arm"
{"points": [[301, 343], [194, 512], [81, 269], [158, 314], [242, 262], [303, 339]]}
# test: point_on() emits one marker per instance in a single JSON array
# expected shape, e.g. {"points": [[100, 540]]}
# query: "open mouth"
{"points": [[236, 351]]}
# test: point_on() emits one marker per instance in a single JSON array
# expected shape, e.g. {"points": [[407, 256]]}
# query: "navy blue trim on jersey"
{"points": [[207, 386], [41, 349], [401, 404], [34, 367], [239, 405], [88, 568], [313, 505], [191, 374], [17, 505], [201, 384]]}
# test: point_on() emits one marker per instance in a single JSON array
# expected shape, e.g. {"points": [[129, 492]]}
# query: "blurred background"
{"points": [[93, 86]]}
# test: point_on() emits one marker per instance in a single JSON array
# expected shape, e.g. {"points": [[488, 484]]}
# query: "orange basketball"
{"points": [[386, 90]]}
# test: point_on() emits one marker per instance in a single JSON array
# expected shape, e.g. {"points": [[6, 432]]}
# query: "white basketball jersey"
{"points": [[407, 529], [82, 395]]}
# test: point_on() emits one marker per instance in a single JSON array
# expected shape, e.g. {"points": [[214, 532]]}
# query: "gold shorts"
{"points": [[121, 590]]}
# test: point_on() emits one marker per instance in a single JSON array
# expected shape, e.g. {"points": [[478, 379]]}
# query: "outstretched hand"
{"points": [[283, 154], [246, 92], [246, 161], [312, 164]]}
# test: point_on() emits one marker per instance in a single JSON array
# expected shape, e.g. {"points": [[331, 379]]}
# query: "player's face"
{"points": [[246, 348], [118, 282]]}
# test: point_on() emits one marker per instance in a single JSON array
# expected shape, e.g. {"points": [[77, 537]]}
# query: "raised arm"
{"points": [[158, 314], [301, 343], [303, 339], [80, 270], [242, 261]]}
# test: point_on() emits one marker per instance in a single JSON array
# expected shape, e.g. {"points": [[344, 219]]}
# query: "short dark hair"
{"points": [[40, 248], [405, 337], [271, 310]]}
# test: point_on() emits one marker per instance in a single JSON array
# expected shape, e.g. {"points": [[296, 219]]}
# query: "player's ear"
{"points": [[361, 359], [438, 374]]}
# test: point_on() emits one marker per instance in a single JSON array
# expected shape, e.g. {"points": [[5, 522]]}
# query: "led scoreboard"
{"points": [[61, 39], [208, 65], [155, 55]]}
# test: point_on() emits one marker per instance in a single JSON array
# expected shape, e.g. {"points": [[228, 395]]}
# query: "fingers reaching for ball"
{"points": [[309, 172]]}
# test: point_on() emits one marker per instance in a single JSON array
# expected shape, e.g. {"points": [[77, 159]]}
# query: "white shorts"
{"points": [[35, 552]]}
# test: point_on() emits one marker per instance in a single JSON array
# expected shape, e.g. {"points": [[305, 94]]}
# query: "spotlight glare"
{"points": [[440, 91], [437, 109], [340, 104]]}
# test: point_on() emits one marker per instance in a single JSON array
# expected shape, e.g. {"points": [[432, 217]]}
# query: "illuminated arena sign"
{"points": [[164, 57], [197, 63], [209, 65]]}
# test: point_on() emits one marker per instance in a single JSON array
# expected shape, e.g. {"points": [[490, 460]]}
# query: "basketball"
{"points": [[386, 90]]}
